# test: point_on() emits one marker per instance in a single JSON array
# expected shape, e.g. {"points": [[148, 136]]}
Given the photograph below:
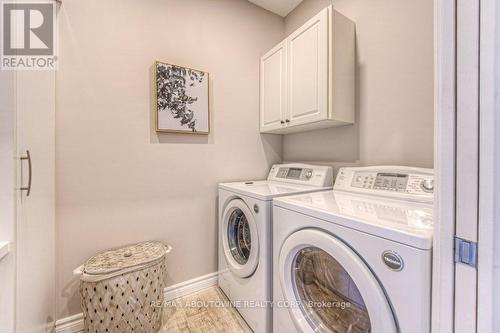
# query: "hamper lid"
{"points": [[124, 258]]}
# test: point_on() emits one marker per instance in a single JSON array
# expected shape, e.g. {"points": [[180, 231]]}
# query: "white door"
{"points": [[240, 239], [273, 78], [316, 268], [466, 294], [35, 247], [488, 291], [308, 71], [467, 164]]}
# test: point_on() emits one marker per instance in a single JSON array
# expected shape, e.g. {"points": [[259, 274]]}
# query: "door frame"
{"points": [[444, 165], [445, 83], [8, 194], [489, 167]]}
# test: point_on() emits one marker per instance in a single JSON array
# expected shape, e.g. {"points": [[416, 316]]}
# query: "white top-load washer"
{"points": [[358, 258], [245, 224]]}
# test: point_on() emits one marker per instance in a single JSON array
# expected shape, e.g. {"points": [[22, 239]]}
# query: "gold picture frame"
{"points": [[181, 119]]}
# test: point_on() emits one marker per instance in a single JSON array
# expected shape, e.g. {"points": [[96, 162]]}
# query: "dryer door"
{"points": [[240, 239], [328, 288]]}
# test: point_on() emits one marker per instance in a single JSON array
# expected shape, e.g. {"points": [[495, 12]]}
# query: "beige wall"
{"points": [[394, 90], [118, 181]]}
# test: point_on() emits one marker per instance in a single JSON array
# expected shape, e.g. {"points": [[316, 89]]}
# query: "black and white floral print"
{"points": [[174, 92]]}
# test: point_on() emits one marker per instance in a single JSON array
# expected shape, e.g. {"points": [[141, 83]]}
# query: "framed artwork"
{"points": [[181, 99]]}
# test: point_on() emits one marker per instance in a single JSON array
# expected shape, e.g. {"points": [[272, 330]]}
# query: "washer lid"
{"points": [[267, 190], [405, 222]]}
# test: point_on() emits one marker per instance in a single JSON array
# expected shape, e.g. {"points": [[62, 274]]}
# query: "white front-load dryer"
{"points": [[357, 258], [245, 243]]}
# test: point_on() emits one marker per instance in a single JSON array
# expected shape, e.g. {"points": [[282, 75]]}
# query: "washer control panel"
{"points": [[294, 173], [401, 182], [305, 174]]}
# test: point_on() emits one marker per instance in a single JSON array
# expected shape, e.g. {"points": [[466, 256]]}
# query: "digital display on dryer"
{"points": [[294, 173], [391, 181]]}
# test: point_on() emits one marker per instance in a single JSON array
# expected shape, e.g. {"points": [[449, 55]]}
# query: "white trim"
{"points": [[74, 324], [444, 165], [467, 155], [489, 159], [191, 286]]}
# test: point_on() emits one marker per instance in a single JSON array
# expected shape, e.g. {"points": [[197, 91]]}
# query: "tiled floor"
{"points": [[206, 311]]}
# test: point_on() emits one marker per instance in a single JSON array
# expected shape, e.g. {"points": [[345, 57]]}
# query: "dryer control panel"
{"points": [[306, 174], [394, 181]]}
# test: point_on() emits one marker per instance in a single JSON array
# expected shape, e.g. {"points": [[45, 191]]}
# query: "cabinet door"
{"points": [[35, 248], [273, 88], [308, 71]]}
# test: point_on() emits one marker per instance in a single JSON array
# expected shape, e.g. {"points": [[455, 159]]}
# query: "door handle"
{"points": [[28, 158]]}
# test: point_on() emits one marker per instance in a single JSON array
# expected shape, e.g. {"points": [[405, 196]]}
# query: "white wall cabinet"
{"points": [[308, 72], [307, 80], [273, 88]]}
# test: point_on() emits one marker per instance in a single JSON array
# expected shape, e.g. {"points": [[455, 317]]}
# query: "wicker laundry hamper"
{"points": [[122, 289]]}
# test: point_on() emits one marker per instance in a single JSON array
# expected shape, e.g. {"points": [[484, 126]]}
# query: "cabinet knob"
{"points": [[287, 120], [282, 122]]}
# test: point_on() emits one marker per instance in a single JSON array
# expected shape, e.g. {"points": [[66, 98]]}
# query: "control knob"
{"points": [[308, 174], [427, 185]]}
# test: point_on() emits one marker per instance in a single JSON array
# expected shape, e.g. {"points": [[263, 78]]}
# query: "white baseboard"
{"points": [[191, 286], [74, 324]]}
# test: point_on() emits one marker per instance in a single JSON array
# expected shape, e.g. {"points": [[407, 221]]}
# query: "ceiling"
{"points": [[280, 7]]}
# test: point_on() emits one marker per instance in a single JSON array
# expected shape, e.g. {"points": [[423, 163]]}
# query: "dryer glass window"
{"points": [[328, 296], [238, 233]]}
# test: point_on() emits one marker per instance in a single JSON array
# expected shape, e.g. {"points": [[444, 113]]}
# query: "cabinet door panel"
{"points": [[35, 248], [273, 88], [308, 71]]}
